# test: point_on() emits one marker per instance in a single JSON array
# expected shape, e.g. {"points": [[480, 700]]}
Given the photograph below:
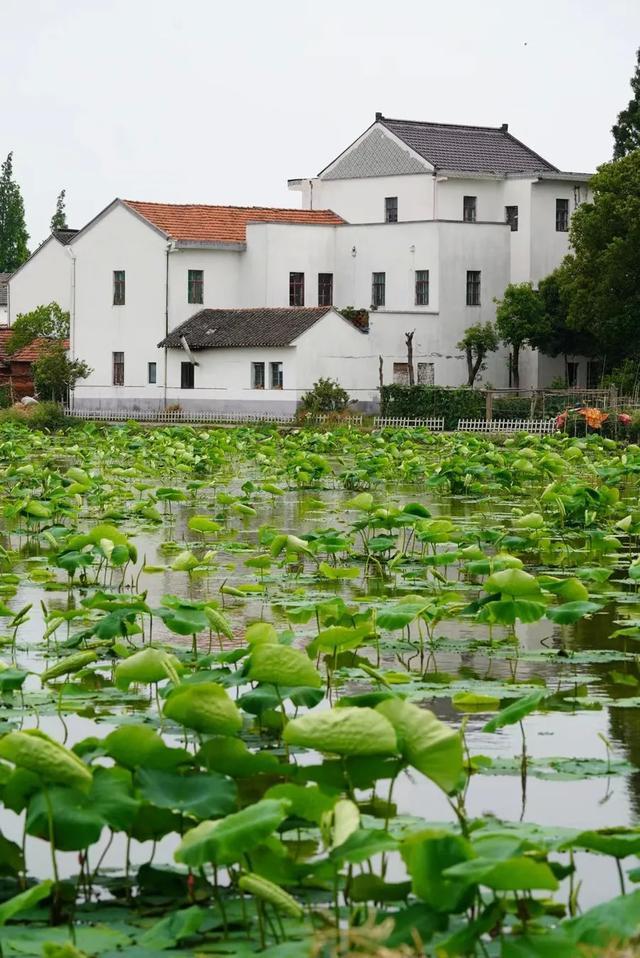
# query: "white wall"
{"points": [[362, 200], [45, 278], [548, 246], [222, 287]]}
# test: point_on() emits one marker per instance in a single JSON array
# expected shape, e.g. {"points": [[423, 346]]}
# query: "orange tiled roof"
{"points": [[222, 224], [29, 354]]}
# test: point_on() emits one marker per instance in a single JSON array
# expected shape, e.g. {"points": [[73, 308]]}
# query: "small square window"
{"points": [[378, 289], [118, 287], [276, 375], [572, 374], [152, 373], [469, 204], [187, 376], [511, 217], [118, 368], [296, 289], [391, 209], [562, 216], [401, 374], [257, 375], [195, 286], [426, 374], [473, 287], [325, 289], [422, 287]]}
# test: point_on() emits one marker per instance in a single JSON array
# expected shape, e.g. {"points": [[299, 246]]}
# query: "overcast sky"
{"points": [[222, 102]]}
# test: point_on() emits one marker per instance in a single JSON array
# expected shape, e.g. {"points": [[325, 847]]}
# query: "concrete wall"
{"points": [[45, 278], [362, 200]]}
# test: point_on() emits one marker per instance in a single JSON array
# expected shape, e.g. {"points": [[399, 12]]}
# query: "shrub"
{"points": [[423, 402], [45, 416], [327, 396]]}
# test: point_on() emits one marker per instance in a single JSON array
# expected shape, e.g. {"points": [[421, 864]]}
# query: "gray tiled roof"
{"points": [[64, 236], [4, 279], [229, 328], [478, 149]]}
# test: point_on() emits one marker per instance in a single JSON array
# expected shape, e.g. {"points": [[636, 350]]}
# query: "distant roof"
{"points": [[29, 354], [222, 224], [229, 328], [4, 279], [477, 149], [64, 236], [5, 333]]}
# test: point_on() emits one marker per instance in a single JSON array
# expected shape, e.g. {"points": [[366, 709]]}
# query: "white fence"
{"points": [[537, 427], [173, 417], [435, 423]]}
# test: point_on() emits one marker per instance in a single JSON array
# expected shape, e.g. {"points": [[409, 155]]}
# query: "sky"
{"points": [[202, 101]]}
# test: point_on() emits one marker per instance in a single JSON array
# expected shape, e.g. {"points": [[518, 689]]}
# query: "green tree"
{"points": [[478, 340], [59, 218], [327, 396], [557, 337], [519, 322], [13, 231], [47, 322], [601, 277], [626, 132], [55, 374]]}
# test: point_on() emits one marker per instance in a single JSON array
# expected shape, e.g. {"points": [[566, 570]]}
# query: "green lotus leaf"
{"points": [[204, 707], [344, 731], [225, 841], [37, 753], [282, 665]]}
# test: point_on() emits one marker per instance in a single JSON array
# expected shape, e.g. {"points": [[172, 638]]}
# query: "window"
{"points": [[391, 209], [296, 289], [562, 216], [187, 376], [401, 374], [469, 208], [118, 369], [511, 217], [325, 289], [276, 375], [473, 287], [195, 286], [257, 375], [426, 374], [422, 287], [378, 282], [572, 374], [594, 373], [118, 287], [152, 373]]}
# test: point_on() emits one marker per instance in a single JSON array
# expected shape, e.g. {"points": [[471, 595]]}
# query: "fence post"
{"points": [[488, 406]]}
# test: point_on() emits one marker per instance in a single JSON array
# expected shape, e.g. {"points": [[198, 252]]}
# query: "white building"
{"points": [[4, 298], [424, 224], [45, 278]]}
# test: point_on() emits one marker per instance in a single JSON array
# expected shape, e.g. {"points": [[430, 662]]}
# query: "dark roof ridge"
{"points": [[456, 126]]}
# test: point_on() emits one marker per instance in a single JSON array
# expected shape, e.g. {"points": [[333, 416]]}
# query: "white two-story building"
{"points": [[422, 224]]}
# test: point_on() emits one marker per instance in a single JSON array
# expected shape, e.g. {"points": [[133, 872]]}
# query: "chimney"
{"points": [[505, 127], [378, 116]]}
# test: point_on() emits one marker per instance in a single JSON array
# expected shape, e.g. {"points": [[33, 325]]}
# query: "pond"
{"points": [[305, 691]]}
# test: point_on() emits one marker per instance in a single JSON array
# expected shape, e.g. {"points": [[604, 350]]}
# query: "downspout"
{"points": [[170, 246], [435, 180], [310, 194], [72, 323]]}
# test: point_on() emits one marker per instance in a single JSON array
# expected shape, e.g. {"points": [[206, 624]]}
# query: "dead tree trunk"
{"points": [[409, 341]]}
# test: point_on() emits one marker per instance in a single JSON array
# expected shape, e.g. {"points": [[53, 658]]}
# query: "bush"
{"points": [[44, 415], [423, 402], [327, 396]]}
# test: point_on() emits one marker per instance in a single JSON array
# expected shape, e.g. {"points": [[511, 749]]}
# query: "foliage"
{"points": [[55, 374], [556, 336], [46, 416], [13, 231], [43, 322], [478, 340], [626, 132], [326, 396], [519, 321], [59, 218], [359, 317]]}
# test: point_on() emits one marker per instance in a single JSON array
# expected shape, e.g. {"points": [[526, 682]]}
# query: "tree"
{"points": [[601, 277], [327, 396], [46, 322], [55, 374], [519, 321], [59, 218], [13, 230], [477, 341], [556, 336], [626, 132], [408, 338]]}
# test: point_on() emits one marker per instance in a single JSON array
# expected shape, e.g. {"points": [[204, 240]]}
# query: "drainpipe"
{"points": [[310, 194], [170, 247], [72, 324], [435, 180]]}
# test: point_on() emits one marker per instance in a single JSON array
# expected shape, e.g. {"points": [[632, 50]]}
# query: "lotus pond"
{"points": [[318, 693]]}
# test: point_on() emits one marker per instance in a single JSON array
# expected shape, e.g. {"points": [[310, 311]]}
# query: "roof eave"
{"points": [[232, 245]]}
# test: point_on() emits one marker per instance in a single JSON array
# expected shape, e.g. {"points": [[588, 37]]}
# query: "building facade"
{"points": [[421, 224]]}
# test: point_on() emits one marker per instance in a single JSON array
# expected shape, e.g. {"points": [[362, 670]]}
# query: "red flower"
{"points": [[624, 418]]}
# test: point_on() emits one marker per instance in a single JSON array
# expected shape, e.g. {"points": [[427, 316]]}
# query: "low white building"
{"points": [[46, 277], [422, 224]]}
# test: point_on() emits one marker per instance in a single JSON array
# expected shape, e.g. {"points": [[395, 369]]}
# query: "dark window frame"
{"points": [[254, 379], [469, 209], [474, 286], [391, 209], [511, 217], [422, 287], [562, 215], [119, 287], [325, 289], [378, 289], [195, 286], [276, 374], [573, 368], [187, 376], [117, 368], [425, 367], [296, 289], [152, 374]]}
